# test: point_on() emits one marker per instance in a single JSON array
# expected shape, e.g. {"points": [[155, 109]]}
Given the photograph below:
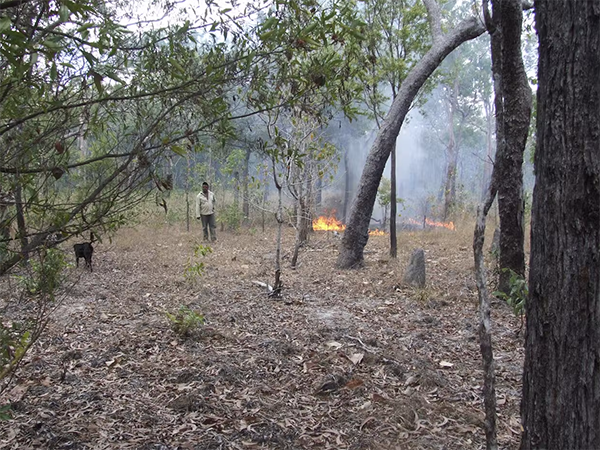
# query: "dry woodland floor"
{"points": [[344, 360]]}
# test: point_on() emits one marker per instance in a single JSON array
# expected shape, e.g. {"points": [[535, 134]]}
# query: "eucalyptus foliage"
{"points": [[93, 104]]}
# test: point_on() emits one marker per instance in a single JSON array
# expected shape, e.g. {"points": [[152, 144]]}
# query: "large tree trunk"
{"points": [[513, 111], [357, 232], [561, 383]]}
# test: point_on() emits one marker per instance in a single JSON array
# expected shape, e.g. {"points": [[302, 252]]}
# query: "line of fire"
{"points": [[331, 223]]}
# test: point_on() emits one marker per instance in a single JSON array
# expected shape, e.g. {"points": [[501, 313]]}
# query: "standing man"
{"points": [[205, 210]]}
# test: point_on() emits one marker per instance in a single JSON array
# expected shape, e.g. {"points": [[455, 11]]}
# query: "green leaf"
{"points": [[178, 150], [98, 81], [5, 412], [5, 24], [269, 23], [114, 76], [85, 27], [64, 13], [53, 72], [91, 59]]}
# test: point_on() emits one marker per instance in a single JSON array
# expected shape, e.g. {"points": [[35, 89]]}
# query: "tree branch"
{"points": [[435, 19]]}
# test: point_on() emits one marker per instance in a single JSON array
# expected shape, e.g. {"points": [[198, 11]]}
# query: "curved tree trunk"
{"points": [[561, 384], [516, 112], [357, 231]]}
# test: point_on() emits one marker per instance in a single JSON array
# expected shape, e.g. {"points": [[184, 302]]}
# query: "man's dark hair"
{"points": [[205, 184]]}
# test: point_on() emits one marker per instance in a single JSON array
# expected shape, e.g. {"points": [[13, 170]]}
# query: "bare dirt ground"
{"points": [[345, 360]]}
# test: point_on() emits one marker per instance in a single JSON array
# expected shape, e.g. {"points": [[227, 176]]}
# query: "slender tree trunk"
{"points": [[346, 187], [488, 163], [393, 211], [357, 232], [21, 227], [187, 190], [452, 153], [304, 218], [279, 217], [236, 189], [561, 383], [319, 192], [485, 323], [246, 189]]}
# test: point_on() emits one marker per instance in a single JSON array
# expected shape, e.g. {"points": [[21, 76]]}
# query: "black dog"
{"points": [[84, 251]]}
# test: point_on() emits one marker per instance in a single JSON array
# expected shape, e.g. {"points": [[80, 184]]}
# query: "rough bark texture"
{"points": [[485, 323], [514, 107], [357, 230], [561, 385]]}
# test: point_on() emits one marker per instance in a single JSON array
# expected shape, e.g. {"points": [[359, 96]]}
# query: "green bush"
{"points": [[231, 216], [185, 322], [46, 273], [195, 268], [39, 286], [518, 292]]}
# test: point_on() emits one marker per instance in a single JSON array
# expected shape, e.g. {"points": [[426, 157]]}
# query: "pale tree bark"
{"points": [[561, 383], [346, 187], [451, 153], [303, 207], [393, 208], [357, 232], [246, 189]]}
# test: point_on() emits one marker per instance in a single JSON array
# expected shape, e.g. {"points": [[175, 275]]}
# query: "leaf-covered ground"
{"points": [[345, 360]]}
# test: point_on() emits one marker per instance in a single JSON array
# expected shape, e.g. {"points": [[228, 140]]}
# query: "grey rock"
{"points": [[415, 272]]}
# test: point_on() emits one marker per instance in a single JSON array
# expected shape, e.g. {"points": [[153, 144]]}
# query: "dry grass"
{"points": [[345, 360]]}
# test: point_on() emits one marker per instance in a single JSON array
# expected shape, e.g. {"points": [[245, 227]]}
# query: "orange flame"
{"points": [[328, 224], [431, 223], [376, 232]]}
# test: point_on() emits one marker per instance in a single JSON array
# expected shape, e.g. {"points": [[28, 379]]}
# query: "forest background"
{"points": [[280, 106]]}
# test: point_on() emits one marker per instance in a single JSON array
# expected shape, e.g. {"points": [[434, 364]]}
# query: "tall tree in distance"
{"points": [[357, 230], [561, 384], [395, 41]]}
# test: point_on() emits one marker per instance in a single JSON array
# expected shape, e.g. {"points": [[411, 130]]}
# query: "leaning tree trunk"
{"points": [[561, 384], [357, 231], [513, 108]]}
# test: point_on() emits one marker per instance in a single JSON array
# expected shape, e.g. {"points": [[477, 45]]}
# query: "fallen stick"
{"points": [[265, 285]]}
